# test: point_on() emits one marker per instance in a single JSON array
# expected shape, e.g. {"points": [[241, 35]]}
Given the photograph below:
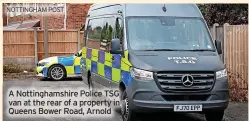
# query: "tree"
{"points": [[234, 14]]}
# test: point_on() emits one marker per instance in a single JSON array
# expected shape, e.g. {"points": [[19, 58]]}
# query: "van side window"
{"points": [[94, 30], [119, 31], [107, 34]]}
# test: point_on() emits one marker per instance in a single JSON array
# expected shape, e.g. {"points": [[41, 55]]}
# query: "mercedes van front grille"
{"points": [[186, 81]]}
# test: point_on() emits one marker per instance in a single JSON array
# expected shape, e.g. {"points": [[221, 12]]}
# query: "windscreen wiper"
{"points": [[200, 50], [160, 50], [177, 50]]}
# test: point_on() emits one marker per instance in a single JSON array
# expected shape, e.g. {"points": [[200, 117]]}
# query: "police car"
{"points": [[59, 67]]}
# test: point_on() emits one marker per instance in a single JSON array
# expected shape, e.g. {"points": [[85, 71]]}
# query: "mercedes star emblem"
{"points": [[187, 80]]}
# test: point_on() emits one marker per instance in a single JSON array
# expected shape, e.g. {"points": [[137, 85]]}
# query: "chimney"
{"points": [[5, 21]]}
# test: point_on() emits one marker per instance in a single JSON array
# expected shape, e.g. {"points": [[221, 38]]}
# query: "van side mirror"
{"points": [[85, 33], [218, 46], [115, 47]]}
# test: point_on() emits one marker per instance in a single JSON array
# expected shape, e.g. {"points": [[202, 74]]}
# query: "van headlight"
{"points": [[141, 74], [221, 74]]}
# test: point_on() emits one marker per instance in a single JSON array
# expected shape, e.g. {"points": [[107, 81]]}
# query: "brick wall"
{"points": [[76, 15]]}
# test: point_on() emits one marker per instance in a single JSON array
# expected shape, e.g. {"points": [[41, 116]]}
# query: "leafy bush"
{"points": [[236, 92], [234, 14], [12, 68]]}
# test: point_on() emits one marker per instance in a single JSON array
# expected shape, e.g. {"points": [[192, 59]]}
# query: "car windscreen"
{"points": [[172, 33]]}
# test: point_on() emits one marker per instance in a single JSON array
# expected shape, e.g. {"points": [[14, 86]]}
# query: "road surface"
{"points": [[74, 82]]}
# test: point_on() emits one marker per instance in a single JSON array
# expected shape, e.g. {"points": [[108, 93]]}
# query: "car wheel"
{"points": [[126, 112], [214, 116], [57, 72], [90, 83]]}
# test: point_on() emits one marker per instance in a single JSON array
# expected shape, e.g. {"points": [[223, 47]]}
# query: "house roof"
{"points": [[22, 25]]}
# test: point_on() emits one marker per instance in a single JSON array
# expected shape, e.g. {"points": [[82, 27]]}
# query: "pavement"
{"points": [[235, 112]]}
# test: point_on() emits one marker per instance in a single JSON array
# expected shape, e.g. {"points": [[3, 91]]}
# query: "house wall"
{"points": [[75, 16]]}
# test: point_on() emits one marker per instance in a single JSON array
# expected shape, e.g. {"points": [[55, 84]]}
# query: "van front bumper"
{"points": [[145, 96]]}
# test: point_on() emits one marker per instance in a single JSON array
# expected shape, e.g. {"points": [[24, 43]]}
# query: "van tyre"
{"points": [[214, 116], [126, 112], [57, 72], [90, 83]]}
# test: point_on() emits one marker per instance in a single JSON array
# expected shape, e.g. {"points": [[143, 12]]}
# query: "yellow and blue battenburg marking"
{"points": [[110, 66], [72, 65]]}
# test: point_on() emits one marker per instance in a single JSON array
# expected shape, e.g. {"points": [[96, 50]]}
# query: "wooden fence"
{"points": [[26, 46], [234, 40], [59, 43]]}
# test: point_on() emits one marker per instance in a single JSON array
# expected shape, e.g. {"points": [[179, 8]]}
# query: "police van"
{"points": [[160, 56]]}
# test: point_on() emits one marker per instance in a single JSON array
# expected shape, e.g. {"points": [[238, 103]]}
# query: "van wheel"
{"points": [[126, 112], [214, 116], [57, 73], [90, 83]]}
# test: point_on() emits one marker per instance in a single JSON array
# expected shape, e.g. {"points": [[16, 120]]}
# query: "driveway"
{"points": [[235, 111]]}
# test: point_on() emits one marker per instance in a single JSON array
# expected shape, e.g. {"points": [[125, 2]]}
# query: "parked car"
{"points": [[160, 56], [60, 67]]}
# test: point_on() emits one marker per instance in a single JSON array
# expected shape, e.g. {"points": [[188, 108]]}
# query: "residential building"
{"points": [[73, 17]]}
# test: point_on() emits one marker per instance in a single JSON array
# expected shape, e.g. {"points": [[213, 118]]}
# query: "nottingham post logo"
{"points": [[36, 8]]}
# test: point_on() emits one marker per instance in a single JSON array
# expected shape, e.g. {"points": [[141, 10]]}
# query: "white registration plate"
{"points": [[187, 108]]}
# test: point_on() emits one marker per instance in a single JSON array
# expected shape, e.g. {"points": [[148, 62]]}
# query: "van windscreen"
{"points": [[172, 33]]}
